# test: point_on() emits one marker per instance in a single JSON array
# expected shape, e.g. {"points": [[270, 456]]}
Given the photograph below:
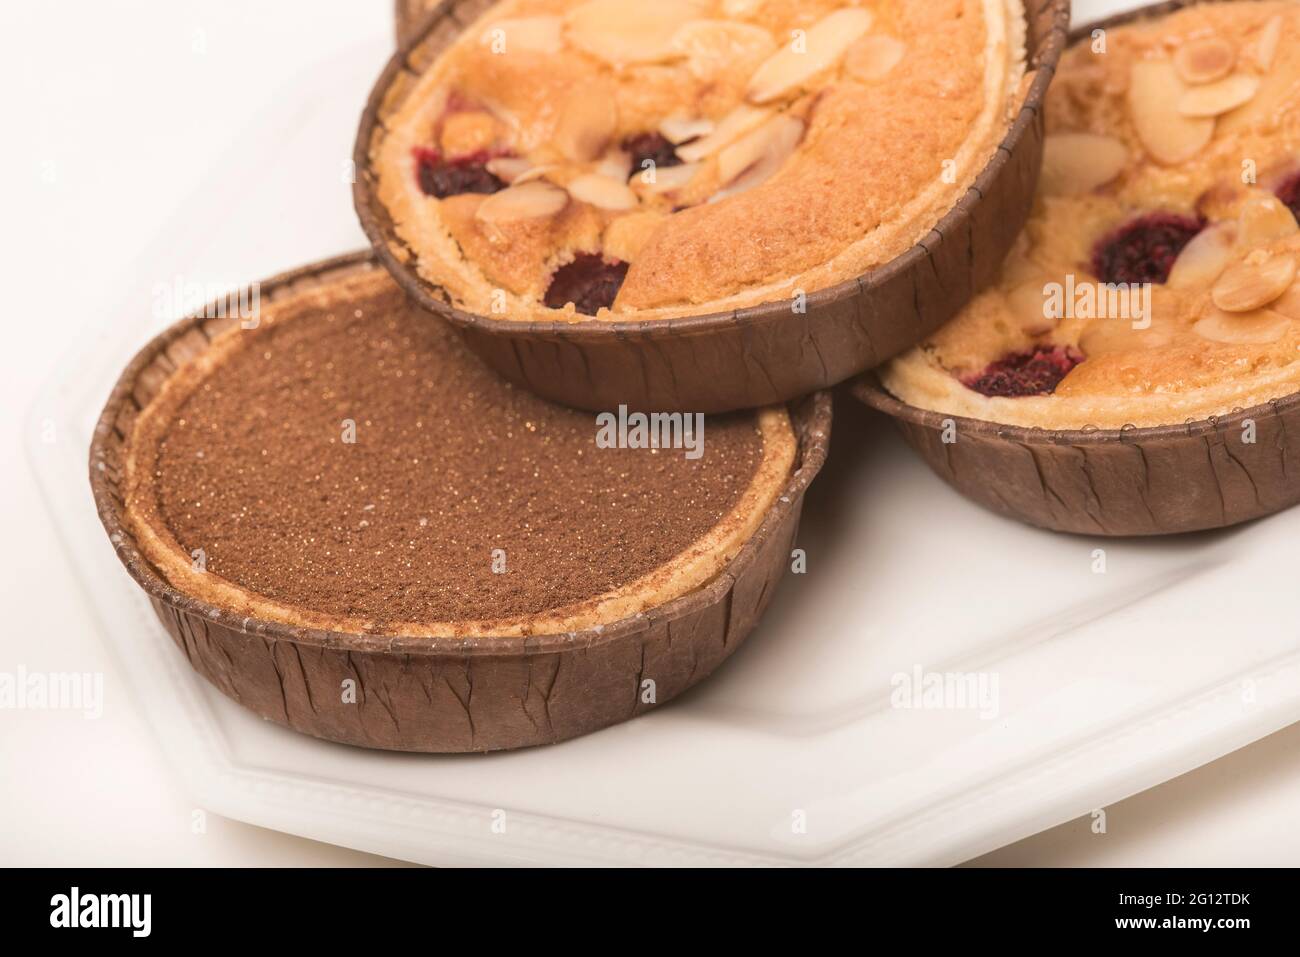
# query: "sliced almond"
{"points": [[752, 161], [713, 45], [535, 200], [1171, 138], [1109, 336], [1265, 49], [534, 34], [682, 129], [1028, 304], [1253, 283], [508, 169], [537, 172], [603, 192], [1205, 60], [668, 179], [1264, 219], [1222, 96], [1077, 163], [1288, 304], [1259, 327], [732, 126], [873, 57], [621, 33], [588, 121], [808, 54], [617, 165], [1204, 259]]}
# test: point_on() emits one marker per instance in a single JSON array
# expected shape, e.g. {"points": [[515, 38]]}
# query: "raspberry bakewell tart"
{"points": [[354, 528], [1135, 369], [703, 204]]}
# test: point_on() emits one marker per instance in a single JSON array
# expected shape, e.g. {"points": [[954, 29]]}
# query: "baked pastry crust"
{"points": [[863, 157], [690, 569], [1121, 151]]}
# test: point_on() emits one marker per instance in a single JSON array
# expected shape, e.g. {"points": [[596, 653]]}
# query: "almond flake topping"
{"points": [[1222, 96], [1204, 259], [620, 32], [808, 54], [508, 168], [712, 45], [668, 179], [681, 129], [1204, 61], [1264, 219], [603, 192], [730, 128], [1254, 283], [1266, 43], [1169, 136], [1258, 327], [752, 161], [535, 200], [1077, 163]]}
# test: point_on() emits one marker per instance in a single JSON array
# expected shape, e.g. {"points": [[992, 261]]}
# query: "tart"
{"points": [[615, 167], [1172, 160], [344, 492], [1151, 302]]}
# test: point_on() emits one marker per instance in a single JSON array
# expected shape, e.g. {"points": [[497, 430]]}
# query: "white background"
{"points": [[116, 113]]}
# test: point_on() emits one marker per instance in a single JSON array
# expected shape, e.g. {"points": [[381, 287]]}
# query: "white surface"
{"points": [[161, 121]]}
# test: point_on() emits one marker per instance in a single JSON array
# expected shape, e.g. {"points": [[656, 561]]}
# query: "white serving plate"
{"points": [[1180, 652]]}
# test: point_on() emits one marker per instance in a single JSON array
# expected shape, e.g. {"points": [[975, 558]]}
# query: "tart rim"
{"points": [[869, 390]]}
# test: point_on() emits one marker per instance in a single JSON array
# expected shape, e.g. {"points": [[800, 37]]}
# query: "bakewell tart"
{"points": [[1154, 285], [353, 527], [579, 168]]}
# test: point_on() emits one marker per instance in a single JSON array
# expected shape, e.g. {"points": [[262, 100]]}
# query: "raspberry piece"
{"points": [[441, 177], [1144, 249], [651, 146], [1025, 373], [589, 282]]}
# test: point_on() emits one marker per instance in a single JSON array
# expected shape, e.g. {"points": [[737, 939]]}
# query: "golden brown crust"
{"points": [[880, 159], [689, 570], [1195, 359]]}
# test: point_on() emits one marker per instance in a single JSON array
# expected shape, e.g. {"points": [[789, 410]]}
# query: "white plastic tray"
{"points": [[1182, 651]]}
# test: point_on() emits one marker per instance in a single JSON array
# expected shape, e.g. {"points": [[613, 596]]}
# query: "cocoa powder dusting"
{"points": [[449, 464]]}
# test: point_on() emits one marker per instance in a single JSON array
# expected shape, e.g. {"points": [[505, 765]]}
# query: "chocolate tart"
{"points": [[1185, 415], [669, 308], [352, 527]]}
